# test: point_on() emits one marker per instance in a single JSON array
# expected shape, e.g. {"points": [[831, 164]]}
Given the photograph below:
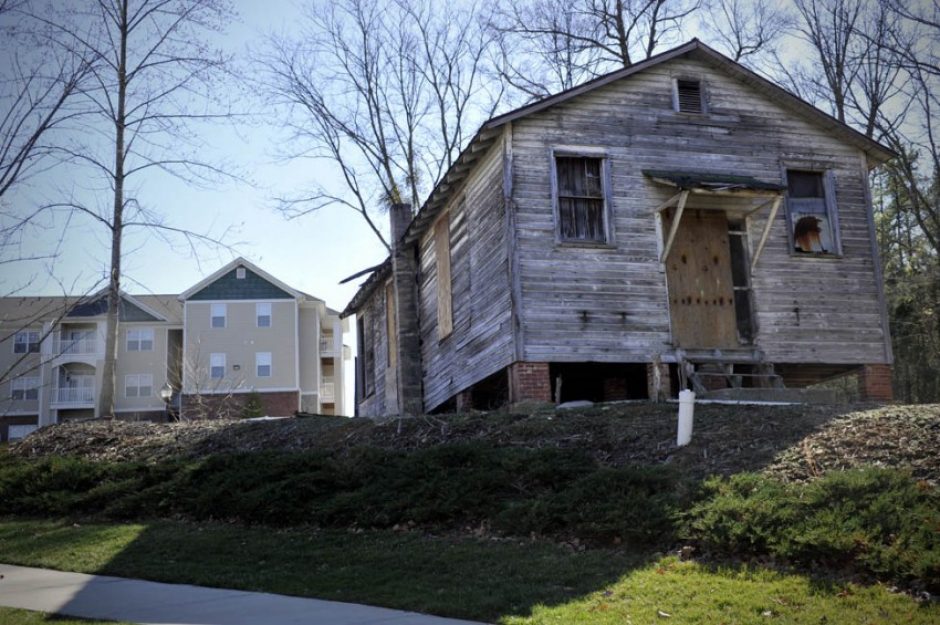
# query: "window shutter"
{"points": [[689, 96]]}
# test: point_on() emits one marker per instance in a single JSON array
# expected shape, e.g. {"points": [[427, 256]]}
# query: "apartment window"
{"points": [[263, 364], [138, 385], [263, 313], [580, 199], [445, 303], [216, 366], [25, 388], [140, 340], [218, 315], [26, 342], [811, 211], [688, 96]]}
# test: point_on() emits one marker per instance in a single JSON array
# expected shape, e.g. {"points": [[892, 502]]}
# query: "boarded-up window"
{"points": [[689, 96], [581, 198], [445, 303], [366, 360], [811, 209], [391, 326]]}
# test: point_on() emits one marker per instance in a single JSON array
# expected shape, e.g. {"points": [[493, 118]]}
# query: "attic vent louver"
{"points": [[240, 273], [689, 96]]}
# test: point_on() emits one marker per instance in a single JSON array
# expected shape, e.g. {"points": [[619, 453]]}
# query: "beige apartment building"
{"points": [[238, 343]]}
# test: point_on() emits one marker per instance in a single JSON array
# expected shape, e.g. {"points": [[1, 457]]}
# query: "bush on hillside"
{"points": [[879, 521]]}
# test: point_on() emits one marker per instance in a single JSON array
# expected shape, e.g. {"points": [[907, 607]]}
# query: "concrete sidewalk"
{"points": [[153, 603]]}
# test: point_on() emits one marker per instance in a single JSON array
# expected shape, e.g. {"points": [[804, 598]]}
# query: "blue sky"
{"points": [[312, 253]]}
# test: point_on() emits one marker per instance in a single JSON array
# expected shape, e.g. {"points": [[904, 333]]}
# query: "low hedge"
{"points": [[877, 521]]}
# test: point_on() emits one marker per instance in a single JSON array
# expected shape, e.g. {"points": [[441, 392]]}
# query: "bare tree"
{"points": [[381, 91], [574, 41], [153, 77], [746, 29]]}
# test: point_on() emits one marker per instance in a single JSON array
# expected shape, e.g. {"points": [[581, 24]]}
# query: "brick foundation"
{"points": [[529, 381], [662, 390], [615, 389], [6, 422], [232, 406], [874, 383]]}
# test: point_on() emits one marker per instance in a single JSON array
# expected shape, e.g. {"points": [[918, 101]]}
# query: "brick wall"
{"points": [[874, 383], [279, 404], [529, 381]]}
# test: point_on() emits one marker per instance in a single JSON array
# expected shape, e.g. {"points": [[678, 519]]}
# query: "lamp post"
{"points": [[166, 393]]}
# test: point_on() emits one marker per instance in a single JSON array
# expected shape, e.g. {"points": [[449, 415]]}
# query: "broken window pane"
{"points": [[809, 212], [580, 198]]}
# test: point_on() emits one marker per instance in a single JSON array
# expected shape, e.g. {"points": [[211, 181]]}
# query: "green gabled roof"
{"points": [[230, 287]]}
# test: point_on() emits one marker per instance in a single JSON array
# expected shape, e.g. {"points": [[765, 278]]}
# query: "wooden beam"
{"points": [[766, 233], [668, 203], [675, 225], [759, 206]]}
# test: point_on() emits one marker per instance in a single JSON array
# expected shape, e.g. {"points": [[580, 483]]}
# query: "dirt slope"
{"points": [[794, 442]]}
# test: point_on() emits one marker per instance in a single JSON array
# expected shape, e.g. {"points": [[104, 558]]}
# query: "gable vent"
{"points": [[689, 96], [240, 273]]}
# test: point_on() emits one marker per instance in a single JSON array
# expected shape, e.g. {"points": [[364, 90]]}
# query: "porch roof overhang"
{"points": [[722, 185]]}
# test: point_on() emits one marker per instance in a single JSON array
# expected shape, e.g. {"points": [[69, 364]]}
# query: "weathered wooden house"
{"points": [[675, 220]]}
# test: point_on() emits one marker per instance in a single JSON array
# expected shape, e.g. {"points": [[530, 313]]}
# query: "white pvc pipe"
{"points": [[686, 410]]}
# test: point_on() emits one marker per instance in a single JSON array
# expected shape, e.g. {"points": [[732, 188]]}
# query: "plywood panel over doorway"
{"points": [[698, 273]]}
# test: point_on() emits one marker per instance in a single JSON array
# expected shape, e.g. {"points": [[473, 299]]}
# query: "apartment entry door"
{"points": [[699, 281]]}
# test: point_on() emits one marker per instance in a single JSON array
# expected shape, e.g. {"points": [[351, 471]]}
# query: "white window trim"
{"points": [[25, 384], [582, 152], [138, 336], [28, 334], [259, 362], [259, 315], [213, 359], [138, 381], [213, 316]]}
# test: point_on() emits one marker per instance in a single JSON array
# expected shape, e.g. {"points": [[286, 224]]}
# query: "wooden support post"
{"points": [[670, 202], [675, 225], [766, 233]]}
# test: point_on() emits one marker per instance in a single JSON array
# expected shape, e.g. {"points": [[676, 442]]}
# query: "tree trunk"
{"points": [[106, 398]]}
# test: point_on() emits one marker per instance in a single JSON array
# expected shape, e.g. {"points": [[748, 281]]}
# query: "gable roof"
{"points": [[130, 308], [493, 128], [274, 289]]}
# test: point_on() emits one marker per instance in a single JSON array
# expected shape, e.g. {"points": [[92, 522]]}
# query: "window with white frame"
{"points": [[580, 198], [811, 212], [216, 366], [218, 315], [263, 364], [263, 313], [25, 388], [138, 385], [26, 342], [140, 340]]}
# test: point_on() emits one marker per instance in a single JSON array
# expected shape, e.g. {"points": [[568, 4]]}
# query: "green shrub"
{"points": [[253, 407], [878, 521]]}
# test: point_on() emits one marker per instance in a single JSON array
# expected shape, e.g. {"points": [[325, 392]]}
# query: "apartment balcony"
{"points": [[327, 349], [85, 346], [327, 390], [74, 397]]}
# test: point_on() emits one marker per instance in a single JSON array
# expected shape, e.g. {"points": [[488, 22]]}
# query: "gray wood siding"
{"points": [[610, 304], [374, 314], [481, 342]]}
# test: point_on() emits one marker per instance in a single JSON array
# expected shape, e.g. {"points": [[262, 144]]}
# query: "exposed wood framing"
{"points": [[766, 232], [675, 225]]}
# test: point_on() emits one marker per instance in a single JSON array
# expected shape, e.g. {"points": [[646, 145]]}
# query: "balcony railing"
{"points": [[84, 346], [326, 347], [74, 395], [327, 391]]}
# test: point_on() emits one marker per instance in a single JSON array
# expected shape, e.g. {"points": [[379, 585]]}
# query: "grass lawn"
{"points": [[507, 582], [11, 616]]}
